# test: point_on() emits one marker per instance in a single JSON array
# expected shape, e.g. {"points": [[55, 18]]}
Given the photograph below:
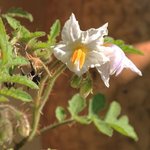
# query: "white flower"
{"points": [[80, 50], [117, 62]]}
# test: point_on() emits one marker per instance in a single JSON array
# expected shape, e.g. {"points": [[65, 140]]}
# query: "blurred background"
{"points": [[128, 20]]}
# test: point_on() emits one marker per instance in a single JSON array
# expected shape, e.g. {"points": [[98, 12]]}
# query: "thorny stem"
{"points": [[46, 69], [43, 99]]}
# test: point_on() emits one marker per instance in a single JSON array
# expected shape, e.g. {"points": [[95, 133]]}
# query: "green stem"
{"points": [[55, 125], [43, 99]]}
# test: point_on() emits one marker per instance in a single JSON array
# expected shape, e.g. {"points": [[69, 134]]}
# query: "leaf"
{"points": [[60, 113], [19, 61], [121, 125], [36, 34], [19, 12], [54, 31], [36, 45], [5, 46], [76, 81], [21, 32], [113, 112], [19, 79], [27, 37], [15, 24], [16, 93], [103, 127], [125, 47], [97, 103], [76, 104]]}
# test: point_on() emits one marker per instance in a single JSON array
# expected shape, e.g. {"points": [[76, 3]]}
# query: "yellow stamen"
{"points": [[74, 56], [82, 60], [79, 56]]}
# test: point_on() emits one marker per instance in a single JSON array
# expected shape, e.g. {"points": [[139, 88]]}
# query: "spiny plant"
{"points": [[27, 65]]}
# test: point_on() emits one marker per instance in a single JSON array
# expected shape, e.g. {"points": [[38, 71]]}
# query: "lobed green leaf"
{"points": [[54, 31], [21, 32], [113, 112], [122, 124], [19, 12], [76, 105]]}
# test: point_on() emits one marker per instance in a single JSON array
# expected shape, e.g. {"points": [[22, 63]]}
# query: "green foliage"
{"points": [[60, 113], [9, 61], [18, 60], [76, 105], [16, 93], [122, 124], [102, 126], [21, 33], [54, 32], [6, 48], [19, 12], [20, 42], [37, 45], [19, 79], [105, 124], [126, 48], [97, 103]]}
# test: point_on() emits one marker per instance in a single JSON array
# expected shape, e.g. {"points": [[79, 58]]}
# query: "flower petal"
{"points": [[118, 61], [104, 71], [62, 52], [71, 30], [95, 59], [94, 35]]}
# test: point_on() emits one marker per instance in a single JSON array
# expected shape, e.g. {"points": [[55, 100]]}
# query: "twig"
{"points": [[55, 125]]}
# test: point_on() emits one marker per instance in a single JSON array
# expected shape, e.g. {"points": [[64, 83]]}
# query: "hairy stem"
{"points": [[55, 125], [43, 99]]}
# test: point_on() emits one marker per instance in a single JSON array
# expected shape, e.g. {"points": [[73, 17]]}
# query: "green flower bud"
{"points": [[86, 87], [76, 81]]}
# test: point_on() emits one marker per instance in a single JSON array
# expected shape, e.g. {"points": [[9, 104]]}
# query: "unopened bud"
{"points": [[86, 87], [76, 81]]}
